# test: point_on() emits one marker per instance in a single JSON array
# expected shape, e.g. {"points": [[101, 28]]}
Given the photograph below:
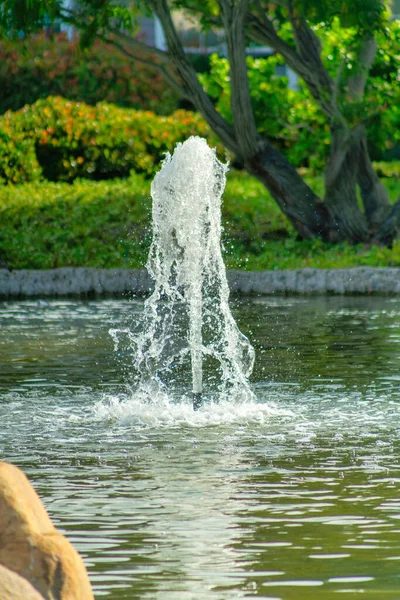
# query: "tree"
{"points": [[290, 28]]}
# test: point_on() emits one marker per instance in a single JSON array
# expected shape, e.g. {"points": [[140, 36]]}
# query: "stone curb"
{"points": [[89, 282]]}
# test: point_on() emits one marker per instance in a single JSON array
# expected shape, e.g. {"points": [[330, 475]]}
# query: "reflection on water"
{"points": [[295, 496]]}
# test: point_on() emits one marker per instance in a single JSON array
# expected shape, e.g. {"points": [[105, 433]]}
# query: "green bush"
{"points": [[388, 169], [290, 119], [38, 67], [101, 224], [73, 140], [18, 162], [108, 224]]}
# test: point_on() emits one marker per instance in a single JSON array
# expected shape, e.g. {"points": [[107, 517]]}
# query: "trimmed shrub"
{"points": [[18, 162], [108, 224], [38, 67], [98, 142], [48, 225]]}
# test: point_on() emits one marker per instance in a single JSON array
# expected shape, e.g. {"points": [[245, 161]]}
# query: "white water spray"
{"points": [[187, 318]]}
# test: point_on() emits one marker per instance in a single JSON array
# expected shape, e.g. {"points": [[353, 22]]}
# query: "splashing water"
{"points": [[187, 326]]}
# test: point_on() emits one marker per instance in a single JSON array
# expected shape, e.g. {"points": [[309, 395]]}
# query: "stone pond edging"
{"points": [[90, 282]]}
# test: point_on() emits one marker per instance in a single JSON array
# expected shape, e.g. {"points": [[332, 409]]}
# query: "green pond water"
{"points": [[294, 496]]}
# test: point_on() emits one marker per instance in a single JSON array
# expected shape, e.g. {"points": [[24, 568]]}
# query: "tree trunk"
{"points": [[295, 198], [373, 193], [349, 222], [344, 214], [349, 168]]}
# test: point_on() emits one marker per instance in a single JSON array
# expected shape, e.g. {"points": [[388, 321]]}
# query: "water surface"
{"points": [[293, 496]]}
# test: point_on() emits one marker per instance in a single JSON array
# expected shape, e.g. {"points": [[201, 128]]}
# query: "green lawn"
{"points": [[107, 224]]}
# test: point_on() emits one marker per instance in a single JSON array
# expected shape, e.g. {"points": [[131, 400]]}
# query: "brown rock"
{"points": [[32, 547], [14, 587]]}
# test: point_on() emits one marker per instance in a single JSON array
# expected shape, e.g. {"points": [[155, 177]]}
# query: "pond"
{"points": [[294, 496]]}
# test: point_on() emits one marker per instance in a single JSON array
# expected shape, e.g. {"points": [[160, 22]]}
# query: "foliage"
{"points": [[18, 162], [17, 16], [98, 142], [379, 108], [388, 169], [292, 254], [41, 66], [22, 17], [336, 71], [49, 225], [292, 119], [257, 235], [363, 15], [107, 224]]}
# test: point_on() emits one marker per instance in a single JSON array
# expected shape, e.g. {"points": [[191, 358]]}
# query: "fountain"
{"points": [[187, 319]]}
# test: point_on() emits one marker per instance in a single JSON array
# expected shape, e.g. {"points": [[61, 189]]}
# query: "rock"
{"points": [[14, 587], [32, 547]]}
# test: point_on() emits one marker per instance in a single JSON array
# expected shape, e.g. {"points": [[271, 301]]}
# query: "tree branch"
{"points": [[233, 15], [131, 48], [153, 58], [190, 82], [305, 59], [366, 57], [307, 43], [337, 81], [261, 30], [309, 49], [373, 193]]}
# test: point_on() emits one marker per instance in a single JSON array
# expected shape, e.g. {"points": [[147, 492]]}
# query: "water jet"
{"points": [[187, 323]]}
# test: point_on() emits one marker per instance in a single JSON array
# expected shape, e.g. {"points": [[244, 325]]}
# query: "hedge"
{"points": [[63, 140], [108, 224], [93, 223]]}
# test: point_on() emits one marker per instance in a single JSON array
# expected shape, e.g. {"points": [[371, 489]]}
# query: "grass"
{"points": [[108, 224]]}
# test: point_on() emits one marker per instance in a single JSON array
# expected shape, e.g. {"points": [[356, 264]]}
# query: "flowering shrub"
{"points": [[39, 67], [72, 139]]}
